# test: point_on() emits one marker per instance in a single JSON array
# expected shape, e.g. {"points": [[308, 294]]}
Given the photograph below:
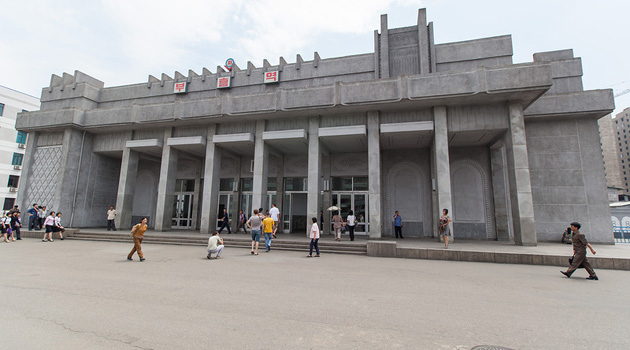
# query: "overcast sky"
{"points": [[123, 41]]}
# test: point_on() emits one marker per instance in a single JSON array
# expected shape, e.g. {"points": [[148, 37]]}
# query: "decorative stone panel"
{"points": [[43, 182]]}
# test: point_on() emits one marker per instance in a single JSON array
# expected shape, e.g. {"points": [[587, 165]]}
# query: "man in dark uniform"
{"points": [[226, 222], [579, 253]]}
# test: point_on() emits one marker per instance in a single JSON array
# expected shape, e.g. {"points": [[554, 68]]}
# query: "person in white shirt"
{"points": [[275, 215], [6, 228], [58, 227], [50, 224], [351, 221], [111, 216], [215, 245], [314, 239]]}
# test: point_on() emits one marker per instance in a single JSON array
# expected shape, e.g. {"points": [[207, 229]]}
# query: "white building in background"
{"points": [[12, 142]]}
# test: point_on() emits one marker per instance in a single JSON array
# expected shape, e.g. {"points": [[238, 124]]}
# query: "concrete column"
{"points": [[261, 160], [126, 188], [327, 198], [423, 42], [384, 53], [166, 186], [374, 175], [67, 175], [314, 169], [195, 203], [210, 183], [280, 189], [442, 163], [502, 211], [519, 180], [236, 195], [27, 174]]}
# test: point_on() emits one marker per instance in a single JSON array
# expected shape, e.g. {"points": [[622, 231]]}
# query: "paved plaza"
{"points": [[85, 295]]}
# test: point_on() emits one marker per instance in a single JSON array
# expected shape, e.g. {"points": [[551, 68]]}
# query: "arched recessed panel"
{"points": [[468, 195]]}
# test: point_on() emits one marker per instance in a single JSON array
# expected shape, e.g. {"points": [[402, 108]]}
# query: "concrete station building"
{"points": [[512, 150]]}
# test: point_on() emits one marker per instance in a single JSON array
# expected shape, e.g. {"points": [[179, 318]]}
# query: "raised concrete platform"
{"points": [[613, 257]]}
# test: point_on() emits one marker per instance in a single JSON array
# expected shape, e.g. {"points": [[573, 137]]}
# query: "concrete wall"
{"points": [[406, 182], [473, 214], [567, 179], [468, 55]]}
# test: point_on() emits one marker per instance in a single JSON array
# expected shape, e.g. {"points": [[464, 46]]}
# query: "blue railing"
{"points": [[622, 234]]}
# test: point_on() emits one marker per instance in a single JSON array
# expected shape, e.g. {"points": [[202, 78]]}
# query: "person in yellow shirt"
{"points": [[268, 230], [138, 234]]}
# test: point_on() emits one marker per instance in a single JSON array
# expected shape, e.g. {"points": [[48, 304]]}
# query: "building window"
{"points": [[1, 108], [17, 159], [8, 203], [13, 181], [226, 185], [21, 137]]}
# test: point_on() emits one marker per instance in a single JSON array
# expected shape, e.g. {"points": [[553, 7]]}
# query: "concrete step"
{"points": [[239, 242]]}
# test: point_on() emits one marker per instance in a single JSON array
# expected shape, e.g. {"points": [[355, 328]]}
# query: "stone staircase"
{"points": [[237, 241]]}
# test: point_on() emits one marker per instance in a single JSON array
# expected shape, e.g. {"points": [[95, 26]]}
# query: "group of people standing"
{"points": [[338, 223], [266, 224], [11, 224], [36, 217]]}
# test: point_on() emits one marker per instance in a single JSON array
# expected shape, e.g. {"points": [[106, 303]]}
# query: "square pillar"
{"points": [[196, 203], [374, 175], [500, 190], [442, 167], [313, 204], [519, 180], [210, 183], [27, 174], [126, 188], [166, 186], [261, 161], [280, 189]]}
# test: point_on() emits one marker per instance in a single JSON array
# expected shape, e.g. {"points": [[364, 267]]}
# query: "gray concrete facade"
{"points": [[414, 126]]}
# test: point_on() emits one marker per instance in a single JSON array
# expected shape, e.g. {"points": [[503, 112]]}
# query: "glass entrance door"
{"points": [[352, 201], [182, 211], [225, 202]]}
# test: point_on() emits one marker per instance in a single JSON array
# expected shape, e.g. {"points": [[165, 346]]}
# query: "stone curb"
{"points": [[391, 250]]}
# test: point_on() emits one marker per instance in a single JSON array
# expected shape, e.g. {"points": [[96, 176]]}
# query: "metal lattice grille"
{"points": [[43, 182]]}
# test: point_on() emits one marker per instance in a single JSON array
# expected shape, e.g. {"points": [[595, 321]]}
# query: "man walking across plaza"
{"points": [[268, 230], [254, 223], [226, 222], [579, 253], [275, 215], [32, 217], [215, 245]]}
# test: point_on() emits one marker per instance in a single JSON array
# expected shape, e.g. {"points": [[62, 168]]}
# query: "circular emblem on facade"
{"points": [[229, 63]]}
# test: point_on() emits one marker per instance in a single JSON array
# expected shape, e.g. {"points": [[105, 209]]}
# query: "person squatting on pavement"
{"points": [[137, 232], [579, 253], [215, 245]]}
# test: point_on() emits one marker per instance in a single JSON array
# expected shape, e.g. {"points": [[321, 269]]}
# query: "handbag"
{"points": [[133, 230], [571, 262]]}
